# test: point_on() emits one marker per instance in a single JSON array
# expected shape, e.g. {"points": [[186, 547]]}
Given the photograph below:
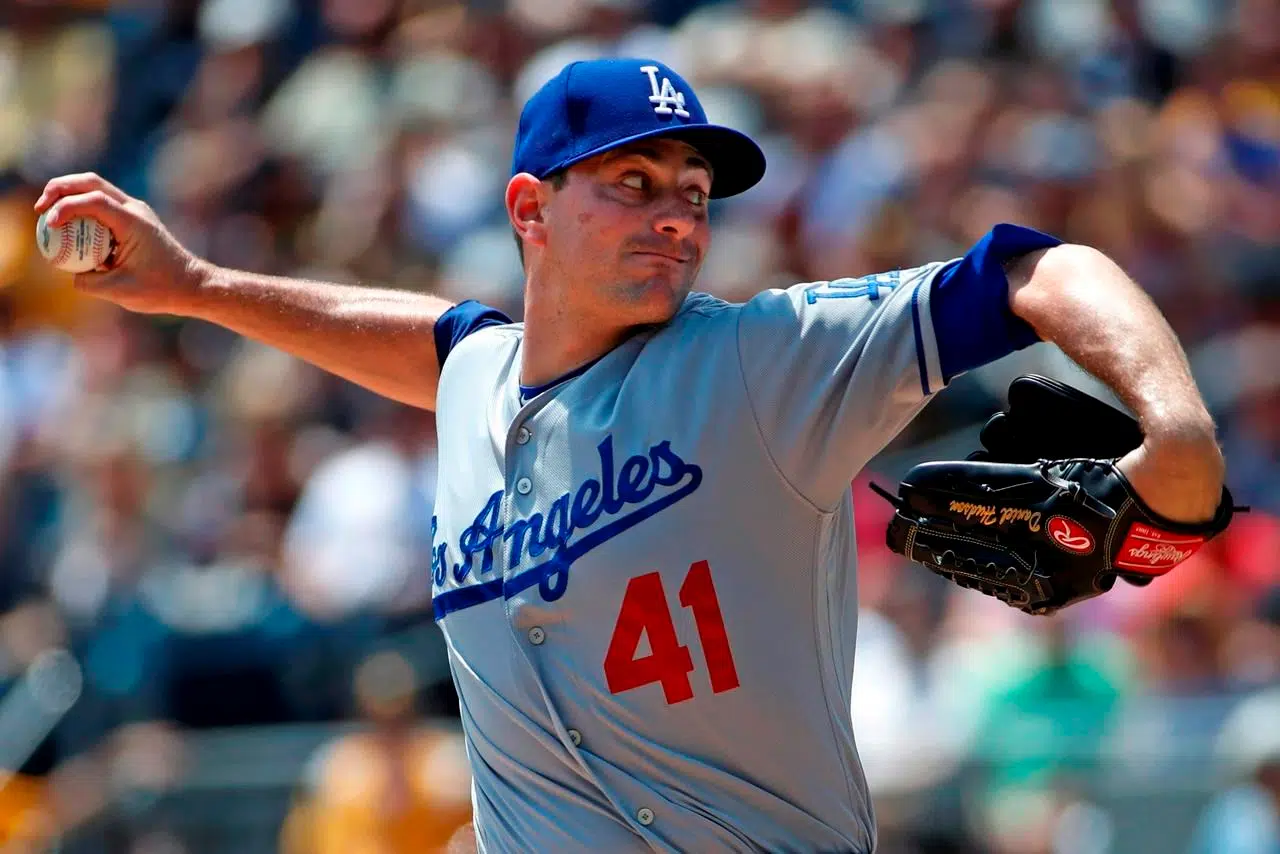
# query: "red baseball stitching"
{"points": [[99, 246], [64, 248]]}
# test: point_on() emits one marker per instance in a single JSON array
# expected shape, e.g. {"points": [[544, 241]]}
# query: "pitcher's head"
{"points": [[614, 165]]}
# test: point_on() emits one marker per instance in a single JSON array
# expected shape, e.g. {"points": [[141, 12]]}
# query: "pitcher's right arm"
{"points": [[381, 339]]}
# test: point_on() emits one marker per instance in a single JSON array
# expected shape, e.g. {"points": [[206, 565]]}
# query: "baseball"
{"points": [[78, 246]]}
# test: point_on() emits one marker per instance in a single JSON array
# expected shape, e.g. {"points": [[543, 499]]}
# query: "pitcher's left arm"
{"points": [[1079, 299]]}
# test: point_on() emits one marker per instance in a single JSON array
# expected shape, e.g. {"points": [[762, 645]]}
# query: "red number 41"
{"points": [[644, 610]]}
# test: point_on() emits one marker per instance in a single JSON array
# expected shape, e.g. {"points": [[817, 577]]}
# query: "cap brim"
{"points": [[737, 163]]}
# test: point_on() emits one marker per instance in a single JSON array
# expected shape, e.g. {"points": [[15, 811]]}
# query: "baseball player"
{"points": [[644, 563]]}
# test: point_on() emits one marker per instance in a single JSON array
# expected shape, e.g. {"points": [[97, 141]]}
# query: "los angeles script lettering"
{"points": [[618, 488]]}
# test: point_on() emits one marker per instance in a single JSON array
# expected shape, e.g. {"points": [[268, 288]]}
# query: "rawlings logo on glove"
{"points": [[1154, 551], [1069, 535]]}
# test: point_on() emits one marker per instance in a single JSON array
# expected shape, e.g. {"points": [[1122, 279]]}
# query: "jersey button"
{"points": [[523, 435], [537, 635], [575, 737], [524, 485], [645, 816]]}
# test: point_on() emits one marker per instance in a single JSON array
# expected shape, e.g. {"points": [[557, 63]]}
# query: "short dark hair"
{"points": [[557, 181]]}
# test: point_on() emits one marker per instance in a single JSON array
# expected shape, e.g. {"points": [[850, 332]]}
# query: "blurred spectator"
{"points": [[1253, 647], [26, 825], [398, 788], [360, 536], [1049, 721], [1245, 818], [1046, 819]]}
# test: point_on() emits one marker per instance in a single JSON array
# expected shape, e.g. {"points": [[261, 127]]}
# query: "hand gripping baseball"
{"points": [[149, 271]]}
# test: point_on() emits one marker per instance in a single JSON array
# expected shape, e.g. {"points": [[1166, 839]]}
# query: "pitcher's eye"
{"points": [[633, 180], [697, 196]]}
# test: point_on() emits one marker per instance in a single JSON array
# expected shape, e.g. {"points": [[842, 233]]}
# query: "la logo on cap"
{"points": [[666, 99]]}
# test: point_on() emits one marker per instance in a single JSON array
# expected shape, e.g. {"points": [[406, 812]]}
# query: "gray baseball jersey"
{"points": [[645, 574]]}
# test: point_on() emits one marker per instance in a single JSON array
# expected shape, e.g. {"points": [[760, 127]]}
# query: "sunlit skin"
{"points": [[617, 247]]}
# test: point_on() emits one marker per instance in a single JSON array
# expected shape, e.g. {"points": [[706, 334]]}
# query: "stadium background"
{"points": [[234, 545]]}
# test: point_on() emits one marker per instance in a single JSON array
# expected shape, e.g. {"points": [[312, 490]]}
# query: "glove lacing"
{"points": [[1074, 488]]}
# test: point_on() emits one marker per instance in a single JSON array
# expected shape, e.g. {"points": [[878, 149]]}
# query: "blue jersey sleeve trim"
{"points": [[969, 305], [921, 364], [460, 321]]}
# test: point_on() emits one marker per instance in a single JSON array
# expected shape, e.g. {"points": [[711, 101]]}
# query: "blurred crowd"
{"points": [[224, 536]]}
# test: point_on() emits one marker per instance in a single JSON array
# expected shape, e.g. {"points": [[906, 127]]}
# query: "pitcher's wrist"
{"points": [[1187, 453], [198, 287]]}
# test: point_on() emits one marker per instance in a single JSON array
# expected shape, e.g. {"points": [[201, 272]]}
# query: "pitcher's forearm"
{"points": [[381, 339], [1082, 301], [378, 338]]}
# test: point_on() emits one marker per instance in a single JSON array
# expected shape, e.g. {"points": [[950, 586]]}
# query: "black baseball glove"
{"points": [[1040, 517]]}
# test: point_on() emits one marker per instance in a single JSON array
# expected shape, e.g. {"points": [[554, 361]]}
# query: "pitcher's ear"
{"points": [[525, 200]]}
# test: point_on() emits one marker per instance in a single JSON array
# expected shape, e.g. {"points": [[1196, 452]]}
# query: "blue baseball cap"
{"points": [[596, 105]]}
